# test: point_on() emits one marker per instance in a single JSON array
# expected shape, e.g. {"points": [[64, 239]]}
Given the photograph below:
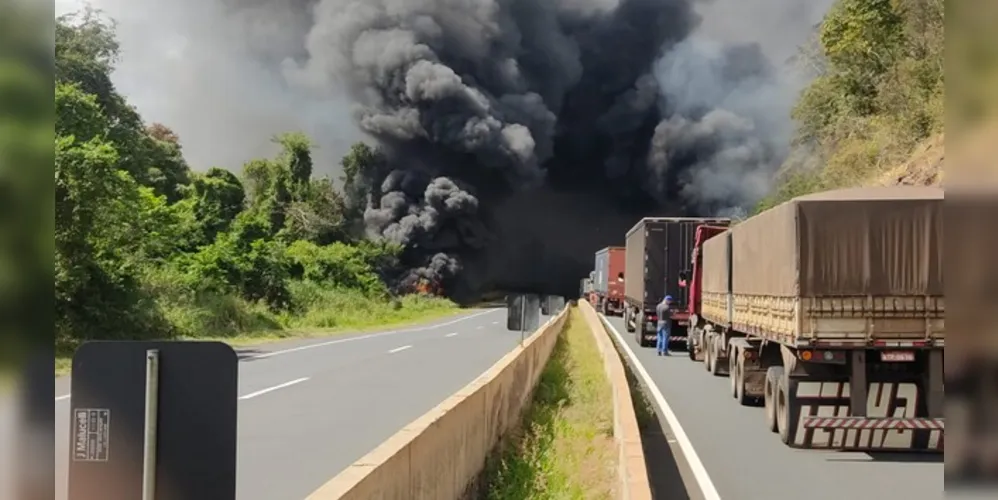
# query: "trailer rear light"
{"points": [[823, 356], [750, 355]]}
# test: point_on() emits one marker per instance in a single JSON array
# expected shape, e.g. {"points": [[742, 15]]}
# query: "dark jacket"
{"points": [[662, 311]]}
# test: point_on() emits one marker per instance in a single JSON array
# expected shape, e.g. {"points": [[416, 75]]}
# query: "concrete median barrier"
{"points": [[632, 471], [439, 455]]}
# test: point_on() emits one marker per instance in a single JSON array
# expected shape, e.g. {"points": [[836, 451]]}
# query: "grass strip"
{"points": [[564, 448]]}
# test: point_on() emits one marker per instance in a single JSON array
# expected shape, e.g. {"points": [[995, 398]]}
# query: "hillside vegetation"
{"points": [[147, 248], [874, 112]]}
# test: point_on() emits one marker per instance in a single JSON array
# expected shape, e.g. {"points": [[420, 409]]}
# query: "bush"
{"points": [[339, 265], [879, 97]]}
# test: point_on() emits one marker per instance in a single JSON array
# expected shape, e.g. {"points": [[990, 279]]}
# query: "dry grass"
{"points": [[925, 167], [565, 448]]}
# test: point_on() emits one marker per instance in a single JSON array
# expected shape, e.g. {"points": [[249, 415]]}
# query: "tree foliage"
{"points": [[144, 245], [878, 93]]}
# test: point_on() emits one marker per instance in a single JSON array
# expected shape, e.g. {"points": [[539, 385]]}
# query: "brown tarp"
{"points": [[880, 241], [714, 274]]}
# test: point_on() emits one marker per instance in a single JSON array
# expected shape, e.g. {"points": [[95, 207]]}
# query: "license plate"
{"points": [[684, 323], [897, 356]]}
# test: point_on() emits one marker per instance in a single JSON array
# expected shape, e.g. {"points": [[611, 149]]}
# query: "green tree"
{"points": [[218, 198], [361, 165], [86, 50], [861, 40], [297, 155]]}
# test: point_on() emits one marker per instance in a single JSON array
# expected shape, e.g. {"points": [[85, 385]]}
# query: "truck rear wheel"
{"points": [[738, 375], [783, 409], [628, 317], [734, 354], [708, 352], [639, 329], [773, 374], [715, 348]]}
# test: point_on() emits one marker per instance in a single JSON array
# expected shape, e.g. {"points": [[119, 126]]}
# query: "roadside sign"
{"points": [[179, 443], [897, 355], [523, 312]]}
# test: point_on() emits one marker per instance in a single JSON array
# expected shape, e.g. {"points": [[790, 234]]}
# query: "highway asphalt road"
{"points": [[745, 461], [310, 408]]}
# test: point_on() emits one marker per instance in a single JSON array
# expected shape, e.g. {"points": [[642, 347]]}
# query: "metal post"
{"points": [[857, 384], [523, 319], [150, 427]]}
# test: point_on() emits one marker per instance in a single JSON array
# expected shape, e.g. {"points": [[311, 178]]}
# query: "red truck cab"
{"points": [[694, 283]]}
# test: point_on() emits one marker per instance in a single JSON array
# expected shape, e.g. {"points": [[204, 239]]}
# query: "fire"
{"points": [[427, 287]]}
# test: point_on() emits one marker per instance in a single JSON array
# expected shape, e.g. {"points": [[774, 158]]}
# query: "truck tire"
{"points": [[715, 365], [738, 376], [783, 421], [627, 321], [708, 352], [734, 354], [691, 347], [773, 375]]}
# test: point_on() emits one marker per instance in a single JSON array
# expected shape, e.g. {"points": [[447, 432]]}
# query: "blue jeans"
{"points": [[663, 340]]}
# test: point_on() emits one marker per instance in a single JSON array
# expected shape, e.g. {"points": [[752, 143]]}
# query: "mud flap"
{"points": [[899, 400]]}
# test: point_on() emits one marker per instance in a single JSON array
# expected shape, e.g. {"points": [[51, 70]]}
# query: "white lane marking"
{"points": [[699, 472], [399, 349], [370, 336], [479, 327], [495, 322], [350, 339], [451, 334], [248, 396], [274, 388]]}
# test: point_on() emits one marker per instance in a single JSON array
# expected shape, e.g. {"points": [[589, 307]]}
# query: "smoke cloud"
{"points": [[521, 135]]}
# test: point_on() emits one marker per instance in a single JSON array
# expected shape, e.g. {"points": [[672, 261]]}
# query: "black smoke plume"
{"points": [[523, 135]]}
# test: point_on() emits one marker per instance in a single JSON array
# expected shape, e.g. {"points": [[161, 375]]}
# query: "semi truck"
{"points": [[586, 287], [694, 348], [609, 281], [656, 263], [829, 311]]}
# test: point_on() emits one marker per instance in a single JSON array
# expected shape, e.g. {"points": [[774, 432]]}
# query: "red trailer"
{"points": [[609, 281]]}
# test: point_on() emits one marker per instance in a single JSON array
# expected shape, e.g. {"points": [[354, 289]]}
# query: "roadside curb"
{"points": [[632, 473], [695, 477]]}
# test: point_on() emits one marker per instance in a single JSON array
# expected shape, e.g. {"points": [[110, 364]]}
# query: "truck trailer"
{"points": [[656, 263], [585, 288], [829, 309], [609, 281]]}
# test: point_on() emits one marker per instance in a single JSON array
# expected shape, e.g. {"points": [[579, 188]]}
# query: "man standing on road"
{"points": [[662, 311]]}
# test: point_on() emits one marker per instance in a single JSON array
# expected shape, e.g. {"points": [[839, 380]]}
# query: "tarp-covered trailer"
{"points": [[609, 280], [657, 263], [830, 309]]}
